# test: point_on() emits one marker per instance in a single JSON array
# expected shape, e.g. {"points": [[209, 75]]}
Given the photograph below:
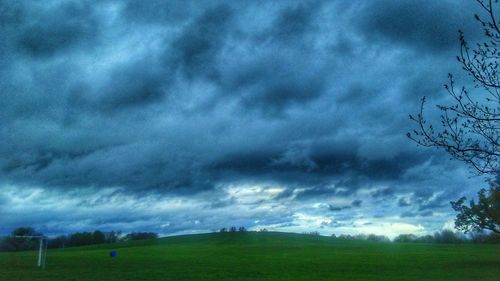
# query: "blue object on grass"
{"points": [[112, 254]]}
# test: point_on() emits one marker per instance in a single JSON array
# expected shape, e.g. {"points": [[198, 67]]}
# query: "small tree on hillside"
{"points": [[17, 242], [25, 231], [98, 237]]}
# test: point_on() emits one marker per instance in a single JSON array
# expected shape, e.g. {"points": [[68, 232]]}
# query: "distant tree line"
{"points": [[312, 233], [449, 237], [14, 242], [440, 237], [233, 229], [365, 237], [84, 239]]}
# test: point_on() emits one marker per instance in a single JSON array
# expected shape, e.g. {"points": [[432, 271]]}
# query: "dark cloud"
{"points": [[144, 90], [195, 51], [135, 85], [157, 12], [295, 22], [426, 213], [279, 85], [408, 215], [356, 203], [314, 192], [12, 13], [426, 25], [338, 208], [53, 29], [433, 203], [403, 202], [262, 109], [222, 203], [356, 94], [383, 192], [317, 165]]}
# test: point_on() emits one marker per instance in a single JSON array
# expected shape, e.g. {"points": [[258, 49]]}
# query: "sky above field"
{"points": [[189, 116]]}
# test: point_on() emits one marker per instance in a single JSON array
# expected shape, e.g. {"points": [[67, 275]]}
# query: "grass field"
{"points": [[258, 256]]}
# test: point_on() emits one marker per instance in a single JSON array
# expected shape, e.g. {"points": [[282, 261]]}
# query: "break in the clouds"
{"points": [[188, 116]]}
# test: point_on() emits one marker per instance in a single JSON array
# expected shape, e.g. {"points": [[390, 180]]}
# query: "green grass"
{"points": [[258, 256]]}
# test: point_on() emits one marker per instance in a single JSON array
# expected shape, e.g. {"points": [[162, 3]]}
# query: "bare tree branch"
{"points": [[470, 126]]}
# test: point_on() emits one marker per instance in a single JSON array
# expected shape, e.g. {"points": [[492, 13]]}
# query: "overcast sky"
{"points": [[188, 116]]}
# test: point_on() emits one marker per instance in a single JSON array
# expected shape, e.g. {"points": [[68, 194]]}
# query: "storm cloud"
{"points": [[285, 115]]}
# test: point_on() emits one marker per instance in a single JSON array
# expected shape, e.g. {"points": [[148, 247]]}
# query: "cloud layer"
{"points": [[115, 106]]}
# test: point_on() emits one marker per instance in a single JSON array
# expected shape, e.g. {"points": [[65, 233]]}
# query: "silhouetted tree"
{"points": [[378, 238], [232, 229], [80, 239], [360, 237], [25, 231], [223, 229], [98, 237], [425, 239], [58, 242], [406, 238], [447, 237], [112, 236], [345, 237], [470, 126], [483, 215], [14, 242], [242, 229], [22, 244]]}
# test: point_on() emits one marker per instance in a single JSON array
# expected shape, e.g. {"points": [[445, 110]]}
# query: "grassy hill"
{"points": [[258, 256]]}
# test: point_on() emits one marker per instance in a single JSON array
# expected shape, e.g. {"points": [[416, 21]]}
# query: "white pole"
{"points": [[40, 253], [45, 253]]}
